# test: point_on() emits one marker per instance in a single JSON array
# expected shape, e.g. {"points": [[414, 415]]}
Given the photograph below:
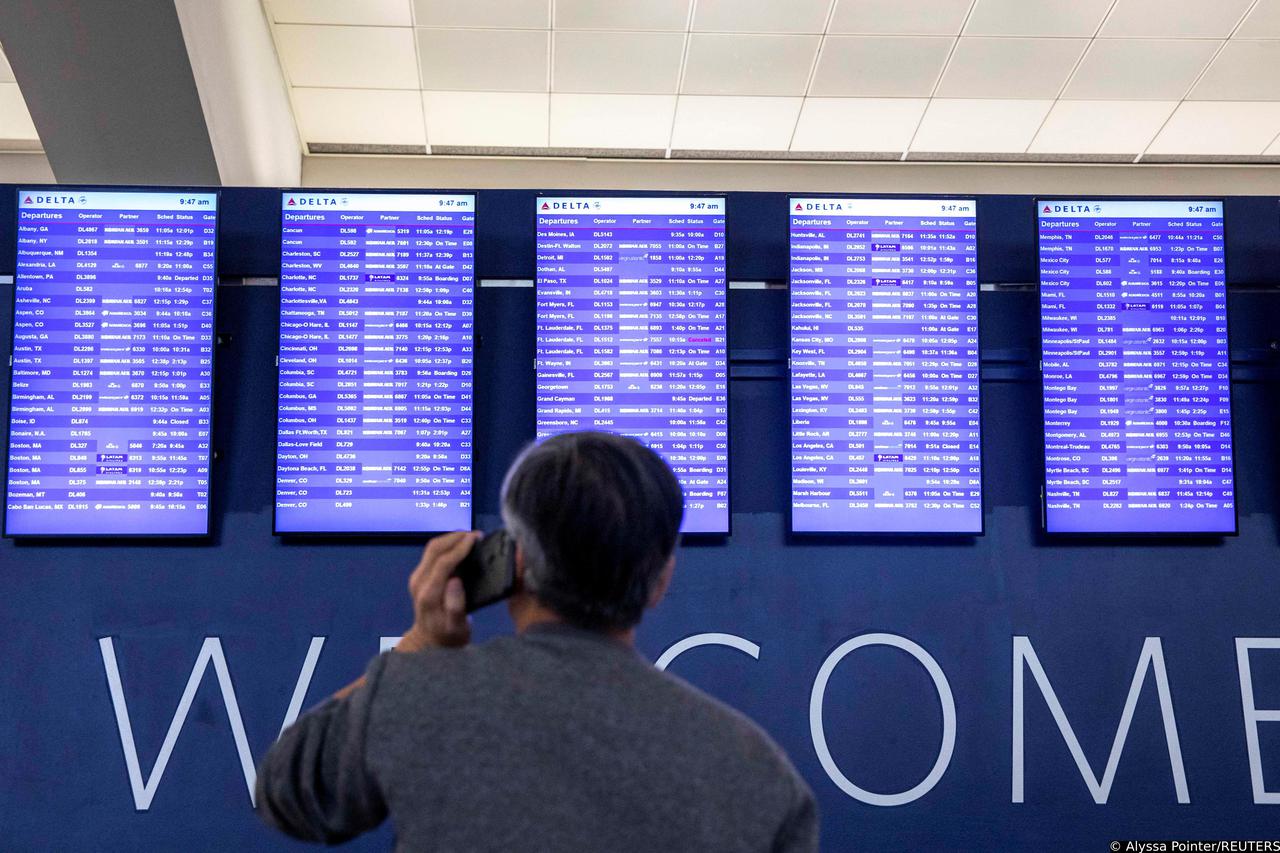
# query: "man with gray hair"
{"points": [[560, 738]]}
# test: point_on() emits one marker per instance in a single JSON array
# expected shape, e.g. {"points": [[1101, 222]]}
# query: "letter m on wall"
{"points": [[1151, 658]]}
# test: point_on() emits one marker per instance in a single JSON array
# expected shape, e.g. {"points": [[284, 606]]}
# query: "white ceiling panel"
{"points": [[359, 116], [15, 121], [973, 125], [1101, 127], [739, 124], [760, 16], [1211, 127], [502, 119], [1010, 67], [1036, 17], [374, 13], [611, 121], [1173, 18], [628, 63], [1274, 150], [879, 66], [899, 17], [1140, 69], [6, 73], [348, 57], [748, 64], [1244, 71], [668, 15], [483, 60], [502, 14], [857, 124], [1263, 22]]}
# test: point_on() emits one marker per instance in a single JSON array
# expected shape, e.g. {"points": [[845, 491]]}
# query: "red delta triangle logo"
{"points": [[27, 200], [292, 202], [798, 206], [544, 206], [1046, 208]]}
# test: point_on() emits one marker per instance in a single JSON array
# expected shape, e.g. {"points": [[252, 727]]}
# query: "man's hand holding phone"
{"points": [[439, 602]]}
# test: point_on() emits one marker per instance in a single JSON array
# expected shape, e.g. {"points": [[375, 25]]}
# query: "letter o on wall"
{"points": [[944, 697]]}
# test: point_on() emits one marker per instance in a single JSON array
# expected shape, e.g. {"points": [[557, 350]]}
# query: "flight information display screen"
{"points": [[885, 424], [374, 431], [112, 390], [1136, 371], [632, 334]]}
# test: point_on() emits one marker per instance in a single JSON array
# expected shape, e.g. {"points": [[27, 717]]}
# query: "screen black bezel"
{"points": [[700, 536], [216, 192], [1144, 535], [416, 535], [889, 535]]}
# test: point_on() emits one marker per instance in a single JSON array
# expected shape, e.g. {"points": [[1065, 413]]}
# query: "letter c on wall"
{"points": [[944, 697]]}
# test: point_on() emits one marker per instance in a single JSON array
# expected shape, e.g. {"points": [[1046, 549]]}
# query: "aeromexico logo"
{"points": [[818, 205], [49, 198], [1072, 208], [316, 201]]}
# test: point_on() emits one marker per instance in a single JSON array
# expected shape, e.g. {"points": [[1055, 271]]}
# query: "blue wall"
{"points": [[1086, 606]]}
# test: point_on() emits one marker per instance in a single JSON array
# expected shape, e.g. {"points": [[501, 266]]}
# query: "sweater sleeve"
{"points": [[314, 783], [799, 831]]}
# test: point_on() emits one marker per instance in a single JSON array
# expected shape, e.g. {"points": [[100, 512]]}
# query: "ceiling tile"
{"points": [[15, 121], [6, 73], [503, 14], [1274, 150], [748, 64], [1101, 127], [1213, 127], [879, 66], [760, 16], [899, 17], [622, 14], [611, 121], [483, 60], [377, 13], [721, 124], [1173, 18], [857, 124], [979, 125], [1263, 22], [366, 116], [1139, 69], [635, 63], [1036, 17], [348, 57], [1009, 67], [486, 119], [1244, 71]]}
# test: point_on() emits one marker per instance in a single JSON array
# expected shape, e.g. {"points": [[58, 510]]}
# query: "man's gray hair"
{"points": [[597, 516]]}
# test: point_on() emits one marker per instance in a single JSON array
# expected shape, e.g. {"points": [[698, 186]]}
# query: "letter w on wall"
{"points": [[1152, 657], [144, 790]]}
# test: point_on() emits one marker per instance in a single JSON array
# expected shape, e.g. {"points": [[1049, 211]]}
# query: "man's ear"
{"points": [[659, 590]]}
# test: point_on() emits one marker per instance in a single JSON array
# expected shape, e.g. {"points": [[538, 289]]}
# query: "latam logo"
{"points": [[53, 199], [820, 205], [566, 205], [1072, 208], [312, 201]]}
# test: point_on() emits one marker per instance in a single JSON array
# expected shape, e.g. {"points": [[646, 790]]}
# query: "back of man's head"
{"points": [[597, 516]]}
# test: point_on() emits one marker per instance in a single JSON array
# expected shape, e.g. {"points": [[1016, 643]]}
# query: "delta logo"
{"points": [[52, 199], [311, 201], [1072, 208], [565, 205], [819, 205]]}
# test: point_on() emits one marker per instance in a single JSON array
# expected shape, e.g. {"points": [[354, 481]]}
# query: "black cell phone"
{"points": [[488, 571]]}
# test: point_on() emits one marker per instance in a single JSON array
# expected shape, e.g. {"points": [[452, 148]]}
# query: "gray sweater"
{"points": [[557, 740]]}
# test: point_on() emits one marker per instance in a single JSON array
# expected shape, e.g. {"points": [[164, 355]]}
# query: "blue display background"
{"points": [[1085, 605]]}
